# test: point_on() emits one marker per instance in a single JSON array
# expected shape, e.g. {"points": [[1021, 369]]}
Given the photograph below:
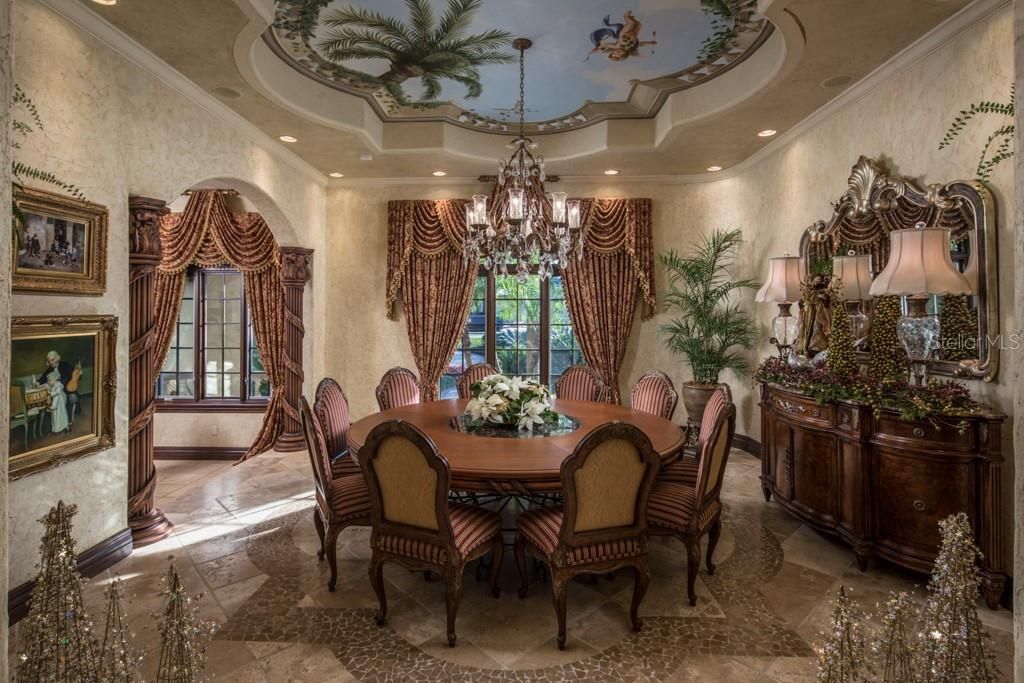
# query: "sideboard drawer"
{"points": [[805, 409], [892, 429]]}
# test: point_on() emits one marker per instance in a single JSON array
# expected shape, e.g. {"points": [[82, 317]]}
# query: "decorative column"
{"points": [[296, 268], [147, 523]]}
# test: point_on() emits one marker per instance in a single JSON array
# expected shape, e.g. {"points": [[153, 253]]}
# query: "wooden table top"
{"points": [[490, 463]]}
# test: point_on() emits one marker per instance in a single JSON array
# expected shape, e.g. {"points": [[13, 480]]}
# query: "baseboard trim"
{"points": [[91, 562], [747, 444], [198, 452]]}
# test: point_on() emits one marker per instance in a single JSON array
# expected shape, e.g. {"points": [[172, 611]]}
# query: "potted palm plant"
{"points": [[709, 329]]}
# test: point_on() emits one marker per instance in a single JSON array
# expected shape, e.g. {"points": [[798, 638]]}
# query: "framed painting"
{"points": [[63, 384], [61, 246]]}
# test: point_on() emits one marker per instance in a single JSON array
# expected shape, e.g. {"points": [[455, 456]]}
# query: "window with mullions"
{"points": [[522, 328], [213, 361]]}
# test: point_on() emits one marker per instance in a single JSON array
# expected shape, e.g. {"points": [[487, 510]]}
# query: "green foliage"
{"points": [[722, 26], [842, 359], [709, 328], [1001, 138], [423, 47], [888, 360], [958, 324]]}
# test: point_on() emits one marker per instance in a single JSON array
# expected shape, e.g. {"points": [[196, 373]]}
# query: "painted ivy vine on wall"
{"points": [[999, 146]]}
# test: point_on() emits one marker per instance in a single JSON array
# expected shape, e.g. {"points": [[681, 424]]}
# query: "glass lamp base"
{"points": [[920, 338]]}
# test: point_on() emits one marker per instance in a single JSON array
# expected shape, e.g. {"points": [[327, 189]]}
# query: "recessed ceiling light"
{"points": [[227, 93], [288, 138], [714, 168], [106, 3], [336, 175], [767, 133], [612, 171], [365, 156], [440, 173]]}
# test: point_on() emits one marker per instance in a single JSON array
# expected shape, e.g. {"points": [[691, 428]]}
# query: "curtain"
{"points": [[601, 287], [426, 262], [207, 234]]}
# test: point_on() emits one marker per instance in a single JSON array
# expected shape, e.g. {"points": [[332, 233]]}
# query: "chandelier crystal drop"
{"points": [[524, 229]]}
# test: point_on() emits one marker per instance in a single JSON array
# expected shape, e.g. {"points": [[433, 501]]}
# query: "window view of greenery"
{"points": [[221, 362], [521, 328]]}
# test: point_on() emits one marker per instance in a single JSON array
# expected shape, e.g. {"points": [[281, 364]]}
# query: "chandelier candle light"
{"points": [[853, 272], [523, 229], [919, 266], [782, 287]]}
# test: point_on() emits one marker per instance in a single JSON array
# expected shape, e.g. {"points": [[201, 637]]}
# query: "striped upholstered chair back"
{"points": [[473, 374], [331, 408], [316, 445], [398, 387], [654, 393], [580, 383], [716, 432], [607, 481]]}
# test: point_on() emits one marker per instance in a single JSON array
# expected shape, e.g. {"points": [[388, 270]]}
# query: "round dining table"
{"points": [[515, 464]]}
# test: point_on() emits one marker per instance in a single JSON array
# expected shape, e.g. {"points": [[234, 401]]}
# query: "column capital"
{"points": [[296, 266], [144, 215]]}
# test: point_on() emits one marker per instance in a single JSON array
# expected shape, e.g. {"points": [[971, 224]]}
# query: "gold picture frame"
{"points": [[62, 390], [62, 245]]}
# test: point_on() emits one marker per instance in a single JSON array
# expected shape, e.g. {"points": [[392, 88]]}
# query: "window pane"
{"points": [[186, 311], [214, 360], [185, 361], [449, 388], [214, 310], [232, 385], [214, 286], [172, 380], [233, 311], [213, 385], [255, 361], [259, 386], [233, 286], [170, 362], [185, 336], [555, 289], [529, 362], [232, 360], [214, 336], [233, 336], [559, 313]]}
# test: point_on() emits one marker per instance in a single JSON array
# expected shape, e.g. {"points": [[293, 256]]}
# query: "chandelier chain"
{"points": [[522, 92]]}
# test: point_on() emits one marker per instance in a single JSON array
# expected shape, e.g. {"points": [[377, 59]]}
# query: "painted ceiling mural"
{"points": [[453, 59]]}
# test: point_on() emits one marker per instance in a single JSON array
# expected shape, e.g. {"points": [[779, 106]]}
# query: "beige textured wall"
{"points": [[221, 430], [1018, 399], [115, 130], [5, 302]]}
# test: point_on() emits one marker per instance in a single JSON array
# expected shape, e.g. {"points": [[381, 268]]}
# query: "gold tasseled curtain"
{"points": [[601, 287], [426, 262], [207, 234]]}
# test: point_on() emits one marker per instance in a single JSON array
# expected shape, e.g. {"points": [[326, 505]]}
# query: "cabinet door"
{"points": [[782, 459], [913, 492], [816, 474]]}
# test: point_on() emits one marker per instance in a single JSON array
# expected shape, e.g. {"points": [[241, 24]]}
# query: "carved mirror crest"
{"points": [[876, 203]]}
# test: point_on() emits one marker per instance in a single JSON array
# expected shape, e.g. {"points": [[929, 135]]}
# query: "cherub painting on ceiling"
{"points": [[620, 41]]}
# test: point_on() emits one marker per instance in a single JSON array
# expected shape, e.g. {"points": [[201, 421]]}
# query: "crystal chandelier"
{"points": [[522, 228]]}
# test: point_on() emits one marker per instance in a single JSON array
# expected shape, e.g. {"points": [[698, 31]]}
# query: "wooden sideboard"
{"points": [[882, 483]]}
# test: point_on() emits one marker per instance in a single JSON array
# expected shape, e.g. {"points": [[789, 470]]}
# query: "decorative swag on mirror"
{"points": [[426, 253], [207, 234]]}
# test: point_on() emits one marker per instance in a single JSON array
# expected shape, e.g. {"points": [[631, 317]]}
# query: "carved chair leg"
{"points": [[560, 594], [453, 594], [377, 581], [643, 580], [332, 555], [497, 555], [713, 535], [524, 579], [692, 566], [319, 524]]}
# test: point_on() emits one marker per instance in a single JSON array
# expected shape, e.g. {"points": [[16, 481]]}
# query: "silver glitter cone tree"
{"points": [[118, 660], [893, 651], [952, 645], [57, 636], [184, 637], [841, 654]]}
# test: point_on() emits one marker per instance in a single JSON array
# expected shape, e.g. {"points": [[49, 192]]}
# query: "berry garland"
{"points": [[842, 359], [888, 360]]}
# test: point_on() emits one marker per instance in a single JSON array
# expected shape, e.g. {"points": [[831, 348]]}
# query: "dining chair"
{"points": [[689, 511], [331, 409], [473, 374], [398, 387], [654, 393], [602, 527], [414, 524], [340, 501], [580, 383]]}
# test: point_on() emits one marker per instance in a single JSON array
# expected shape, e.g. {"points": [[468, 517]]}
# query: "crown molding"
{"points": [[134, 52], [936, 39], [451, 181]]}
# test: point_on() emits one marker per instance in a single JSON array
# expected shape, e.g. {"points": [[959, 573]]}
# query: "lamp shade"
{"points": [[783, 283], [854, 273], [919, 263]]}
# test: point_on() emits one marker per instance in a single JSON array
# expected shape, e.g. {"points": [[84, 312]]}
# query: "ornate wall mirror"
{"points": [[875, 203]]}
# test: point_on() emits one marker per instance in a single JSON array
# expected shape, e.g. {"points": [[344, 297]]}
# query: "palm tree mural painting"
{"points": [[421, 47]]}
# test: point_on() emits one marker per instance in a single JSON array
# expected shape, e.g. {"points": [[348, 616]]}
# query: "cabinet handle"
{"points": [[790, 406], [815, 413], [918, 432], [920, 506]]}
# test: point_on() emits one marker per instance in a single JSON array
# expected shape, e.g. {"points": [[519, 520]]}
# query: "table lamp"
{"points": [[782, 287], [919, 265], [853, 272]]}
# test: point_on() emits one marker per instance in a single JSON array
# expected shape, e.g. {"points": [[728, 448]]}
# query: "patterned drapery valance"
{"points": [[432, 228]]}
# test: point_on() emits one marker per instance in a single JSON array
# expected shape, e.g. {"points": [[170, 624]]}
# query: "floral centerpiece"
{"points": [[510, 401]]}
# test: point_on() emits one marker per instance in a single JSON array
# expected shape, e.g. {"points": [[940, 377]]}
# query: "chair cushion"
{"points": [[345, 466], [331, 407], [350, 498], [541, 527], [472, 526], [682, 471], [672, 506]]}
